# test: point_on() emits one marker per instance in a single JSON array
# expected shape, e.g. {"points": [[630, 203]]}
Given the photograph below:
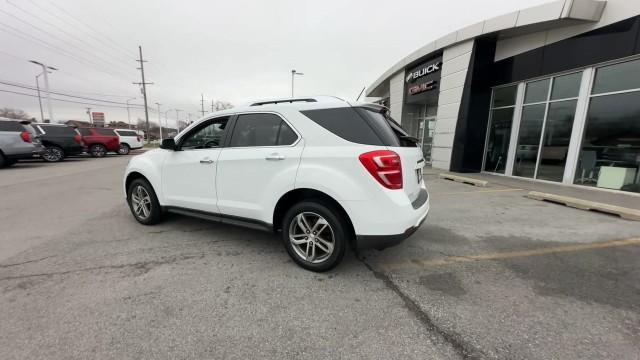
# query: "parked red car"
{"points": [[99, 141]]}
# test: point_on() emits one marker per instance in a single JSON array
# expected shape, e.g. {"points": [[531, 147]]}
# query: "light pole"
{"points": [[293, 74], [177, 119], [39, 98], [46, 86], [159, 120], [89, 114], [129, 112]]}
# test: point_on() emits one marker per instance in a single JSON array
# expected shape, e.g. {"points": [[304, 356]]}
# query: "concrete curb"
{"points": [[464, 180], [625, 213]]}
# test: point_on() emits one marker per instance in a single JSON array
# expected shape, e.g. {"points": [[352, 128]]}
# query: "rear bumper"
{"points": [[380, 242], [37, 150]]}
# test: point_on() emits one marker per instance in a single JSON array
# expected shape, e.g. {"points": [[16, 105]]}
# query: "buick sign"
{"points": [[429, 69]]}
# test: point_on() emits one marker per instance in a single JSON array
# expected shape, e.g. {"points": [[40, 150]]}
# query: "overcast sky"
{"points": [[228, 50]]}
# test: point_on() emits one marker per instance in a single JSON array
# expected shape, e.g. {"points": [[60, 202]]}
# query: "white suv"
{"points": [[129, 140], [324, 173]]}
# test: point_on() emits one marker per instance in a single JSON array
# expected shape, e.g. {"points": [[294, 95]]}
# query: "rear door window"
{"points": [[58, 130], [10, 126], [261, 130], [126, 133], [104, 131], [84, 132]]}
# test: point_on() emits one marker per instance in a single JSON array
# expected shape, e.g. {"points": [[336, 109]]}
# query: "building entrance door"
{"points": [[426, 126]]}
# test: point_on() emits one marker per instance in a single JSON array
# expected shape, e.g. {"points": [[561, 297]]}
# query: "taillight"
{"points": [[385, 166], [78, 139], [26, 137]]}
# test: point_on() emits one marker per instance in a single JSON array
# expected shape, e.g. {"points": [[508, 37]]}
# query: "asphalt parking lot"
{"points": [[490, 275]]}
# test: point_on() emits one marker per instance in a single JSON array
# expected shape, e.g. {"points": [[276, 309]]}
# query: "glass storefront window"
{"points": [[504, 96], [566, 86], [498, 141], [555, 144], [618, 77], [610, 153], [529, 140], [537, 91]]}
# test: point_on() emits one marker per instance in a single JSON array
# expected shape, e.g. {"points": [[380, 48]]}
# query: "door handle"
{"points": [[206, 161], [274, 157]]}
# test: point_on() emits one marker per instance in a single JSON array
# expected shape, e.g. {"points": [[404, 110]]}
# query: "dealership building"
{"points": [[550, 93]]}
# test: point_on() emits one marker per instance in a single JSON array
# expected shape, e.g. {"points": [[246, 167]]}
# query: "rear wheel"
{"points": [[314, 235], [3, 161], [143, 202], [52, 154], [124, 149], [98, 150]]}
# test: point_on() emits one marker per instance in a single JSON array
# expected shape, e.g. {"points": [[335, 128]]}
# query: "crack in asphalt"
{"points": [[459, 346], [25, 262], [145, 266]]}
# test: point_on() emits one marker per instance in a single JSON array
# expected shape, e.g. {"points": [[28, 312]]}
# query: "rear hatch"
{"points": [[398, 141]]}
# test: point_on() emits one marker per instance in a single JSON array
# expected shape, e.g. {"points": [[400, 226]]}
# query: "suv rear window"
{"points": [[58, 130], [126, 133], [10, 126], [104, 131], [361, 125]]}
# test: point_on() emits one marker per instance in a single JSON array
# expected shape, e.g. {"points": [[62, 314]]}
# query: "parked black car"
{"points": [[59, 141]]}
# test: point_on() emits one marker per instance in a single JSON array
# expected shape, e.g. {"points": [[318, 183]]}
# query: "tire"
{"points": [[52, 154], [153, 213], [124, 149], [3, 161], [10, 162], [98, 150], [333, 231]]}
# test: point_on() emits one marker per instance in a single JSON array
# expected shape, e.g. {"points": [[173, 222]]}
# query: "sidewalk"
{"points": [[628, 200]]}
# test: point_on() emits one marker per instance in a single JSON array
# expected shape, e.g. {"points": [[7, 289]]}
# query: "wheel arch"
{"points": [[295, 196], [134, 175]]}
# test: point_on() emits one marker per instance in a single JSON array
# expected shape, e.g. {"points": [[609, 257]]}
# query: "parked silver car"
{"points": [[18, 140]]}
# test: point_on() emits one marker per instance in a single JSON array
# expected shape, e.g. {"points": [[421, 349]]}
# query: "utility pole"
{"points": [[211, 105], [144, 91], [46, 86], [202, 103], [159, 120], [177, 119], [89, 114], [129, 113], [39, 98], [189, 122]]}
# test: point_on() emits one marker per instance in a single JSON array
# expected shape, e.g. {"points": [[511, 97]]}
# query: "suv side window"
{"points": [[261, 130], [84, 132], [206, 137], [10, 126], [57, 130], [105, 131]]}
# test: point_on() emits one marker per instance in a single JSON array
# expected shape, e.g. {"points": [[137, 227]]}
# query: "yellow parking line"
{"points": [[511, 254], [477, 191]]}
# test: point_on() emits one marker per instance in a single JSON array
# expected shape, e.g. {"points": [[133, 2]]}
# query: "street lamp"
{"points": [[129, 112], [293, 74], [159, 121], [39, 98], [46, 85]]}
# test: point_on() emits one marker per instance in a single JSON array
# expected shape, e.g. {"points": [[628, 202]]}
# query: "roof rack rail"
{"points": [[281, 101]]}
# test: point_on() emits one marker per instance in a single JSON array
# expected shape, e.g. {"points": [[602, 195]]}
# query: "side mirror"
{"points": [[168, 144]]}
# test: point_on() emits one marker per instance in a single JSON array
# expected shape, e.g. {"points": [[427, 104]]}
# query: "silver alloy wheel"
{"points": [[52, 154], [98, 151], [141, 202], [311, 237], [123, 150]]}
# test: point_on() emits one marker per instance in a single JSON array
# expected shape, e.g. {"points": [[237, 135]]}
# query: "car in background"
{"points": [[129, 140], [18, 140], [59, 141], [100, 141]]}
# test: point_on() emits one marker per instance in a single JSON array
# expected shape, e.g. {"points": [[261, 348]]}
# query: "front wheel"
{"points": [[314, 235], [124, 149], [98, 150], [52, 154], [143, 202]]}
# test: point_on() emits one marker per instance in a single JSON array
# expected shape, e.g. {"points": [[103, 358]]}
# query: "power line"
{"points": [[24, 86], [25, 36], [68, 34], [63, 100], [85, 26]]}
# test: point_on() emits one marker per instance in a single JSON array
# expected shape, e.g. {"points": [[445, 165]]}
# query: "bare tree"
{"points": [[14, 114], [221, 105]]}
